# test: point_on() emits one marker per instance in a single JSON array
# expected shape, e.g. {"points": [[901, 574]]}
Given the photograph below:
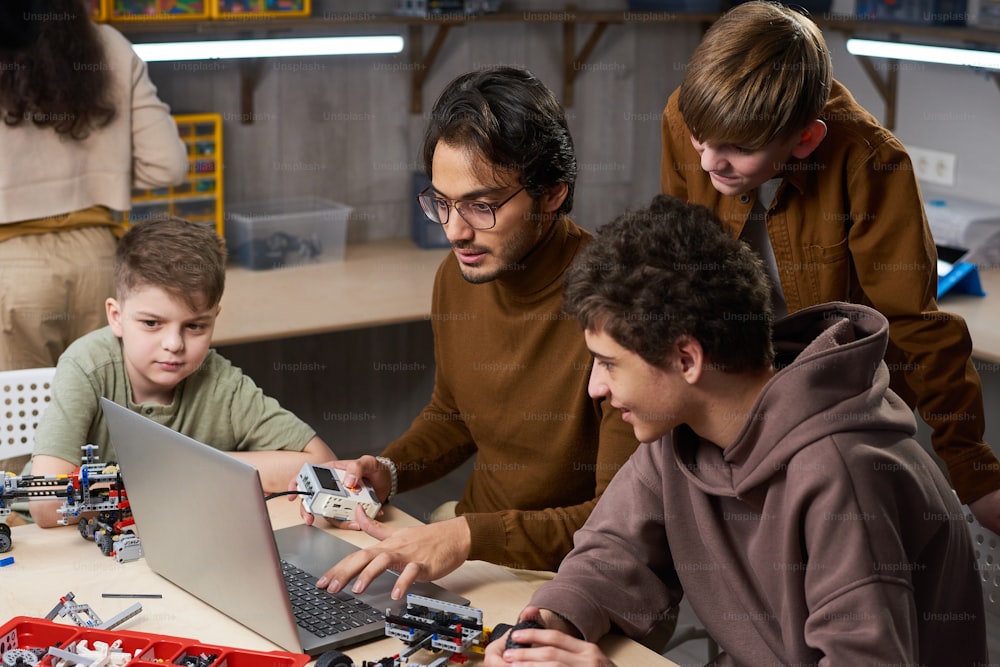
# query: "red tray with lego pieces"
{"points": [[32, 635]]}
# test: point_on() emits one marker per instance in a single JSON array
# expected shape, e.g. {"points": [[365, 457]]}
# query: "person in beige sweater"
{"points": [[82, 125]]}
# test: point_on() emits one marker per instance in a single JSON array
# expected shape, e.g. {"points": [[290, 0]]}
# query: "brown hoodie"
{"points": [[824, 535]]}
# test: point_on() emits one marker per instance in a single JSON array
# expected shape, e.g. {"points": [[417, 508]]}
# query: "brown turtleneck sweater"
{"points": [[511, 389]]}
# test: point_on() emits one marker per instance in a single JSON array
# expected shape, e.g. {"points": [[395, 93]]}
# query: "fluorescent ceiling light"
{"points": [[270, 48], [927, 54]]}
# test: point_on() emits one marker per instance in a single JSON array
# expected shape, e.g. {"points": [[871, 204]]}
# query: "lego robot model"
{"points": [[92, 487], [437, 625], [434, 625]]}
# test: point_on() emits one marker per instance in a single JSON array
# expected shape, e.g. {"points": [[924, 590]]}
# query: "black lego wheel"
{"points": [[334, 659], [5, 542], [86, 528], [520, 626], [105, 543]]}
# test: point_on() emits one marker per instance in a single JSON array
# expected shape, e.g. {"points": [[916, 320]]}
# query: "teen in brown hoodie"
{"points": [[780, 486]]}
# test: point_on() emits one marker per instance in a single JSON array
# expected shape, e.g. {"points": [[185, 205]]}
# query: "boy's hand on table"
{"points": [[418, 553], [554, 645]]}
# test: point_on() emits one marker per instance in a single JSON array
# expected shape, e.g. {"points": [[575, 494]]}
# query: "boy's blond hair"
{"points": [[761, 73], [185, 259]]}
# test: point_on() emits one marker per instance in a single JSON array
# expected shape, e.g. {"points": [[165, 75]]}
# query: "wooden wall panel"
{"points": [[340, 128]]}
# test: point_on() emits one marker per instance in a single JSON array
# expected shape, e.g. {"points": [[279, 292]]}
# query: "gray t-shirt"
{"points": [[756, 236], [217, 405]]}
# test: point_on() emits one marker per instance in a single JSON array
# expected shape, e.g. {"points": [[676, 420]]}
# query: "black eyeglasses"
{"points": [[478, 214]]}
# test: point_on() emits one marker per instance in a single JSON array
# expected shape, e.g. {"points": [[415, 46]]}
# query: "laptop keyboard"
{"points": [[324, 613]]}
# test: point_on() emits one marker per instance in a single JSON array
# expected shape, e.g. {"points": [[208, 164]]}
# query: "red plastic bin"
{"points": [[147, 649], [25, 633]]}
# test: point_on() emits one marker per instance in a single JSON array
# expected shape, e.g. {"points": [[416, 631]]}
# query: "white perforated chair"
{"points": [[24, 395], [987, 547]]}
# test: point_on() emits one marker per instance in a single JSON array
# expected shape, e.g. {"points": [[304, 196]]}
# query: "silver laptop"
{"points": [[202, 519]]}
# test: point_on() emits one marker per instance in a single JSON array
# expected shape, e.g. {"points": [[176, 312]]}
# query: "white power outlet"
{"points": [[933, 166]]}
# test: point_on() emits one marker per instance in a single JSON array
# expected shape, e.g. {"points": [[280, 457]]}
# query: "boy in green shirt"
{"points": [[154, 358]]}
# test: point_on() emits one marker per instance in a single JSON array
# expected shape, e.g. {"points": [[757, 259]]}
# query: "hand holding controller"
{"points": [[330, 497]]}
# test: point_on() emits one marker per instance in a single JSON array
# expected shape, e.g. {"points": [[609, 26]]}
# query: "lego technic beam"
{"points": [[451, 627]]}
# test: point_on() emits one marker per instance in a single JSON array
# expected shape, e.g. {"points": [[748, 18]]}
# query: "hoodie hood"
{"points": [[830, 379]]}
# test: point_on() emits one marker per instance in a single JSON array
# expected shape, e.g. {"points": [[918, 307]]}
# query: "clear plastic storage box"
{"points": [[286, 232]]}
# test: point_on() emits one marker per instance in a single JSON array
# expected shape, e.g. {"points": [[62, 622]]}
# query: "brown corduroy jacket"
{"points": [[848, 224]]}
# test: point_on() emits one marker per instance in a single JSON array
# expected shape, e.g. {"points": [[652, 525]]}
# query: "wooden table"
{"points": [[388, 282], [50, 563], [982, 314], [383, 282]]}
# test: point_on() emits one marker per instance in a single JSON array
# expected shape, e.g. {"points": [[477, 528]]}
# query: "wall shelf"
{"points": [[574, 59], [887, 83], [422, 60]]}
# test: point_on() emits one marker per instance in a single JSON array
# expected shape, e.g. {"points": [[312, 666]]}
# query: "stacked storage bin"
{"points": [[199, 197]]}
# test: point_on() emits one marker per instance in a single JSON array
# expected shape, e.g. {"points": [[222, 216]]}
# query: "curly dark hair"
{"points": [[670, 270], [513, 121], [59, 78]]}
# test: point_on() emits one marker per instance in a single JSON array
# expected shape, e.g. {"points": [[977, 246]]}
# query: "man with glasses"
{"points": [[511, 378]]}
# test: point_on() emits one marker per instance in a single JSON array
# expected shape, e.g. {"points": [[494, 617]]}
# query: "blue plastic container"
{"points": [[425, 233]]}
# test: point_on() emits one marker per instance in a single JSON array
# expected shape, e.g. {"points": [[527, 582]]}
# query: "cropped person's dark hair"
{"points": [[509, 117], [17, 30], [186, 259], [58, 77], [670, 270]]}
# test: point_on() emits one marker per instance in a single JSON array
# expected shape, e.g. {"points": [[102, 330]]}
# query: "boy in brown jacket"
{"points": [[761, 134]]}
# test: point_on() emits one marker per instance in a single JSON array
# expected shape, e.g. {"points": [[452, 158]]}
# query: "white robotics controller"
{"points": [[330, 497]]}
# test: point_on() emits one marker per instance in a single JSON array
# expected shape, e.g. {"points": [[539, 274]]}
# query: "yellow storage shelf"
{"points": [[230, 9], [157, 10], [199, 197]]}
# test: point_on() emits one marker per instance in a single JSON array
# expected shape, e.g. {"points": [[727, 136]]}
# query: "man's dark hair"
{"points": [[58, 75], [670, 270], [507, 116]]}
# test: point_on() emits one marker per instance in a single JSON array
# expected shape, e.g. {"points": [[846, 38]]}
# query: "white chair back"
{"points": [[24, 395], [986, 544]]}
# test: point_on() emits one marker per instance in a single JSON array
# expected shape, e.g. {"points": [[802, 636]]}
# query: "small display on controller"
{"points": [[329, 497]]}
